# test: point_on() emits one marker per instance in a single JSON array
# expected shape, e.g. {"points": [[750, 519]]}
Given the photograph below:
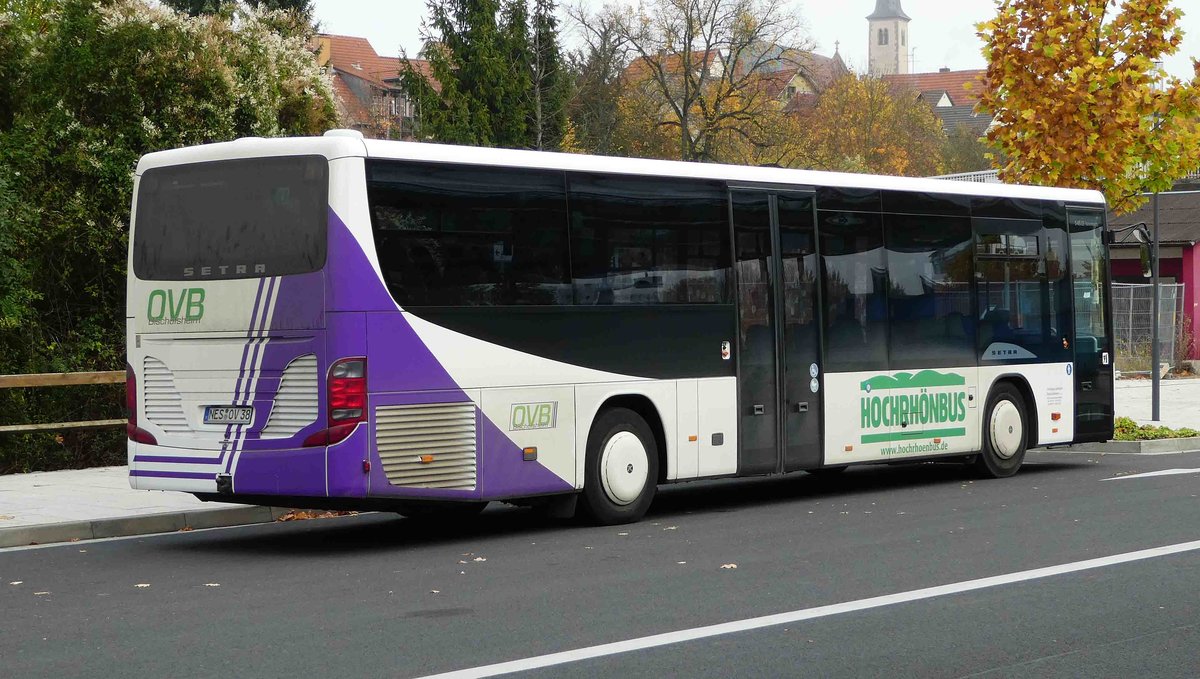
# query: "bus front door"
{"points": [[779, 376], [1093, 366]]}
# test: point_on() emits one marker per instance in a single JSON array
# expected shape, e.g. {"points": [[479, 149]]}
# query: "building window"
{"points": [[883, 36], [791, 91]]}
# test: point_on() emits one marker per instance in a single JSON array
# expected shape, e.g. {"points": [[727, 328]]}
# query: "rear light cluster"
{"points": [[134, 432], [347, 387]]}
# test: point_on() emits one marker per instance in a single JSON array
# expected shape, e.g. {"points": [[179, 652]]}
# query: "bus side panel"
{"points": [[892, 415], [542, 418], [402, 371], [687, 443], [718, 424], [1053, 391]]}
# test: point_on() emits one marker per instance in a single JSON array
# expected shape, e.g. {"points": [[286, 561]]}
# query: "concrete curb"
{"points": [[1155, 447], [145, 524]]}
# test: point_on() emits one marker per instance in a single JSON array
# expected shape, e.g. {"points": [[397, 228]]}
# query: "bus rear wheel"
{"points": [[621, 469], [1004, 434]]}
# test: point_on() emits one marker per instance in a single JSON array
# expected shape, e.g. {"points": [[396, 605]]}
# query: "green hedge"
{"points": [[86, 88]]}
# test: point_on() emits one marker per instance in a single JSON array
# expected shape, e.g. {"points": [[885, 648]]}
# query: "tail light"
{"points": [[347, 387], [134, 432]]}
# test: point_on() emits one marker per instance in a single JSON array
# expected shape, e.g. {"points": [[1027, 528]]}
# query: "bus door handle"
{"points": [[760, 409], [802, 407]]}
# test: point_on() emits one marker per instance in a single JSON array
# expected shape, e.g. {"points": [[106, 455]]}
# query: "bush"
{"points": [[1128, 430], [88, 87]]}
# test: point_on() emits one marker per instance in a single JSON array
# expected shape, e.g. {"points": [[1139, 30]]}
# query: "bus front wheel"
{"points": [[1004, 434], [621, 469]]}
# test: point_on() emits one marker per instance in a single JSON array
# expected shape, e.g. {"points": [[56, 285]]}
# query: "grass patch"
{"points": [[1128, 430]]}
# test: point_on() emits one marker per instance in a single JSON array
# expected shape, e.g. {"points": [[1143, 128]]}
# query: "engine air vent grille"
{"points": [[427, 446]]}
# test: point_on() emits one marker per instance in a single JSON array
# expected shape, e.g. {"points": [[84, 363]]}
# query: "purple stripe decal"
{"points": [[258, 343], [258, 297], [173, 475], [166, 459]]}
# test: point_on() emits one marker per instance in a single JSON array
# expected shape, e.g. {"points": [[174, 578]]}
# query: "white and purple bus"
{"points": [[345, 323]]}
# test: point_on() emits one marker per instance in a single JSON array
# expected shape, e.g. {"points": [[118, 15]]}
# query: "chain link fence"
{"points": [[1133, 324]]}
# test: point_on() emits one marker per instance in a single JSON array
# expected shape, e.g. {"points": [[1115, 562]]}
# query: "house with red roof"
{"points": [[366, 86], [952, 95]]}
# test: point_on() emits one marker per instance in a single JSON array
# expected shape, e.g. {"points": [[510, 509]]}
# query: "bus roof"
{"points": [[344, 144]]}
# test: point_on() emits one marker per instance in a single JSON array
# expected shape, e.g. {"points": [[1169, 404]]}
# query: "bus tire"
{"points": [[1005, 429], [620, 470]]}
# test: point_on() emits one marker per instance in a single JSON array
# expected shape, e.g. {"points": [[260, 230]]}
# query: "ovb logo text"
{"points": [[533, 416], [175, 307]]}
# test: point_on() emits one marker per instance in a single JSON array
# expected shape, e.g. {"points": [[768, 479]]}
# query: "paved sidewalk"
{"points": [[1179, 404], [93, 503]]}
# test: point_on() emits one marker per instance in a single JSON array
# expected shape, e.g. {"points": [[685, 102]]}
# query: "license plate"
{"points": [[228, 414]]}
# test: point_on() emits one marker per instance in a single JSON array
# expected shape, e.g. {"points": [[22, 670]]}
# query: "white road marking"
{"points": [[668, 638], [1161, 472]]}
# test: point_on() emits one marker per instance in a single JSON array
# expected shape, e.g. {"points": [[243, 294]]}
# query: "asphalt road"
{"points": [[378, 596]]}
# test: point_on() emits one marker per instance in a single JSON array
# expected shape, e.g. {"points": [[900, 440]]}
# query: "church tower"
{"points": [[889, 39]]}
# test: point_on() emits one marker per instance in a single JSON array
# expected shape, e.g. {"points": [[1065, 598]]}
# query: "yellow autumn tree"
{"points": [[1079, 99], [864, 124], [644, 126]]}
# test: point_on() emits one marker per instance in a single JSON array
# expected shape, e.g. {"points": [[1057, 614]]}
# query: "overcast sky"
{"points": [[942, 32]]}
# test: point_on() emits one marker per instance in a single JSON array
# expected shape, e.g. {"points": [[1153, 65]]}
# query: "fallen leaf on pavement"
{"points": [[142, 585], [729, 565], [212, 584], [480, 558], [16, 582], [304, 515], [40, 593]]}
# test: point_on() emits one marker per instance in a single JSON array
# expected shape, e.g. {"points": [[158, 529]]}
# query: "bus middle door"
{"points": [[779, 373]]}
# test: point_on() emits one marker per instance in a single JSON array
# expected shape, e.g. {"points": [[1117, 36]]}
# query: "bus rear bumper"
{"points": [[293, 472]]}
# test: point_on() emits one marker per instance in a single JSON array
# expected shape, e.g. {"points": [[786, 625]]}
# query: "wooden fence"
{"points": [[60, 380]]}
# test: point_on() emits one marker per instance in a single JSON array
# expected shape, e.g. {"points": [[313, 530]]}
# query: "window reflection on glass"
{"points": [[855, 283], [929, 291], [644, 240], [1014, 304], [1088, 274], [469, 236]]}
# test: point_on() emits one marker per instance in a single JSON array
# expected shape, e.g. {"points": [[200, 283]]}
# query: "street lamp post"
{"points": [[1154, 318]]}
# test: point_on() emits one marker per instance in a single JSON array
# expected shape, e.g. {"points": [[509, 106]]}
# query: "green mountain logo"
{"points": [[925, 378]]}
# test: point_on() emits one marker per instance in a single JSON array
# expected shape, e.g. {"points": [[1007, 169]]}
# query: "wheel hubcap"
{"points": [[1006, 429], [623, 468]]}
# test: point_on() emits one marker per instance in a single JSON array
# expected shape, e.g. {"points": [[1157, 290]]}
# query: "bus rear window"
{"points": [[232, 219]]}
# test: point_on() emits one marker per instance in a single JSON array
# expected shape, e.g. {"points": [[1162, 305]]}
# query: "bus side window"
{"points": [[1016, 302], [469, 236], [854, 271], [648, 240], [929, 291]]}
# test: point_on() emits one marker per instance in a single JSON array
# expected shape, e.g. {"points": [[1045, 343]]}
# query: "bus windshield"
{"points": [[244, 218]]}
